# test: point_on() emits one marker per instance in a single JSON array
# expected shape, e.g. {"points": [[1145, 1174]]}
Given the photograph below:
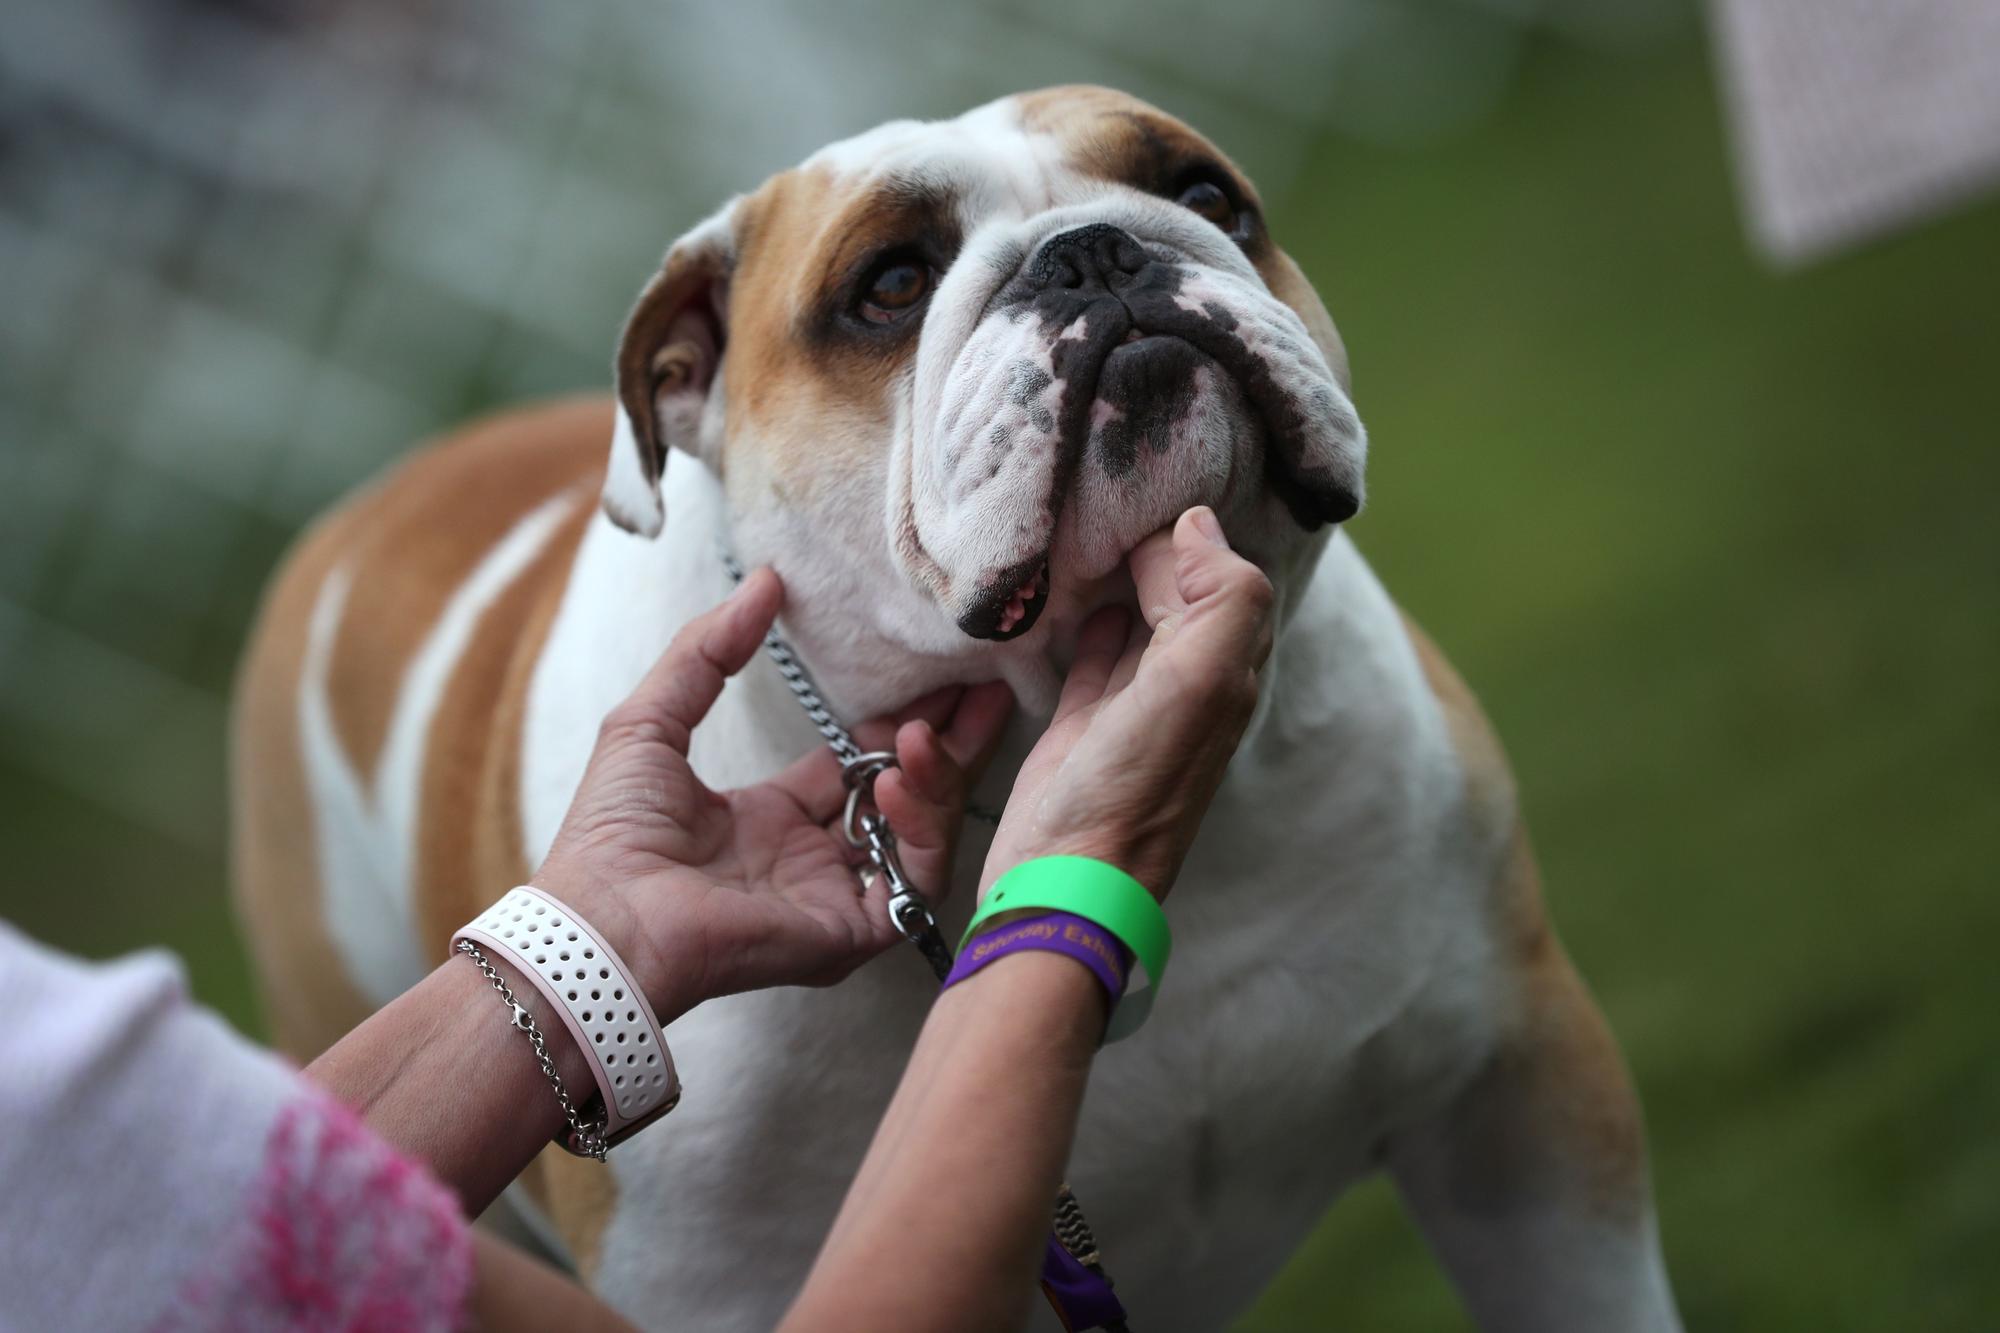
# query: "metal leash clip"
{"points": [[908, 911]]}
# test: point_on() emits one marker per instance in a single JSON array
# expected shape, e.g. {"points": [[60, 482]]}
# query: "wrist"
{"points": [[664, 957], [1136, 854], [571, 1062], [595, 994], [1102, 895], [1047, 996]]}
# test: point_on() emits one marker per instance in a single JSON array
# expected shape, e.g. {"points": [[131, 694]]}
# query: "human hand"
{"points": [[1149, 715], [706, 893]]}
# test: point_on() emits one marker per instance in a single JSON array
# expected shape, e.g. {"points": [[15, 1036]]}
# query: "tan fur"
{"points": [[468, 835], [417, 537], [1114, 134], [308, 1001], [816, 406], [410, 542], [1558, 1077]]}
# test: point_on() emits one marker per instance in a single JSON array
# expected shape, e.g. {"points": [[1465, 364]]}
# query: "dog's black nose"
{"points": [[1087, 260]]}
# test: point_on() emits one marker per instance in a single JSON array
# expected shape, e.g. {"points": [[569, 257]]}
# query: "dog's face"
{"points": [[951, 373]]}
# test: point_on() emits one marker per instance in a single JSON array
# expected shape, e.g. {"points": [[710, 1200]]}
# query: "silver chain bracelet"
{"points": [[585, 1139]]}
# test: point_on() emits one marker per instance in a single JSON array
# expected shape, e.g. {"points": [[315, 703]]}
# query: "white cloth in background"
{"points": [[1854, 117], [158, 1172]]}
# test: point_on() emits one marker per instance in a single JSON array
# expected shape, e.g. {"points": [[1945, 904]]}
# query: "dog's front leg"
{"points": [[1531, 1183]]}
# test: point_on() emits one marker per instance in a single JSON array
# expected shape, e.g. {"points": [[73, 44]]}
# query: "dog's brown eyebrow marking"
{"points": [[914, 211], [804, 374], [1113, 137]]}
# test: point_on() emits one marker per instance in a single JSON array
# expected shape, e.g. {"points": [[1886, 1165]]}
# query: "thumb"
{"points": [[1229, 601]]}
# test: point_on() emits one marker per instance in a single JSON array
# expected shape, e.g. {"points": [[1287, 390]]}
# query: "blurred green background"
{"points": [[1715, 545]]}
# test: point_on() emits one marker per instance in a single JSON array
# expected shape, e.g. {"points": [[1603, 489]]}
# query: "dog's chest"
{"points": [[1212, 1144], [1326, 908]]}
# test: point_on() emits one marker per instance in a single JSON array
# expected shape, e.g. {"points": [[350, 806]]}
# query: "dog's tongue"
{"points": [[1002, 612], [1015, 617], [1016, 610]]}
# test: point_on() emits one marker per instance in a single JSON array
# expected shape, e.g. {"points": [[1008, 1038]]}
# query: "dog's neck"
{"points": [[627, 596], [871, 640], [625, 599]]}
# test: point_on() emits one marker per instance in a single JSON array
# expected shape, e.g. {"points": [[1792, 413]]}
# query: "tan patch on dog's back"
{"points": [[406, 543], [469, 846], [308, 1001], [409, 543], [419, 534]]}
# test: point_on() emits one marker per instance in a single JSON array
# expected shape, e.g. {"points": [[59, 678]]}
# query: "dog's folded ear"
{"points": [[669, 364]]}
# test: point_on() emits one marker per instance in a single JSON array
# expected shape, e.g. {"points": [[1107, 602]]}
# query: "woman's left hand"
{"points": [[706, 893]]}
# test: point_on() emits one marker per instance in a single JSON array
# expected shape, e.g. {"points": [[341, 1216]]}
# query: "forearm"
{"points": [[441, 1074], [512, 1290], [943, 1225]]}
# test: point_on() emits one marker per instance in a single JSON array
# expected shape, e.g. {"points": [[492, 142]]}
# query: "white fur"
{"points": [[366, 836], [360, 894], [630, 496]]}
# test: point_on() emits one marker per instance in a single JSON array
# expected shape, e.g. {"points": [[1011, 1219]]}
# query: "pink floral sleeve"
{"points": [[338, 1232]]}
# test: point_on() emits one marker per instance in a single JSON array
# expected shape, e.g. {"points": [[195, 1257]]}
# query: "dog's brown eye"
{"points": [[1207, 199], [896, 288]]}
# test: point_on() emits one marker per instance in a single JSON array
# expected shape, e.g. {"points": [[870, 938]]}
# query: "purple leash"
{"points": [[1082, 1297]]}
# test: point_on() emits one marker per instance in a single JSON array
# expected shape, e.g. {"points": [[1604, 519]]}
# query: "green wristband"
{"points": [[1096, 892]]}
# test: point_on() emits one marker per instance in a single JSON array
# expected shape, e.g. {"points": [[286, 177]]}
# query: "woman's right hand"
{"points": [[1149, 715]]}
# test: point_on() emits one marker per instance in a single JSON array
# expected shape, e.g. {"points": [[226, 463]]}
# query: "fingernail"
{"points": [[1206, 524]]}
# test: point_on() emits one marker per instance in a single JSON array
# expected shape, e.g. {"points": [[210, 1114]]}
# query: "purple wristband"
{"points": [[1056, 932]]}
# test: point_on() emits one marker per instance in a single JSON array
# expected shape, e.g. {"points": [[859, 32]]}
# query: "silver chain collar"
{"points": [[863, 825]]}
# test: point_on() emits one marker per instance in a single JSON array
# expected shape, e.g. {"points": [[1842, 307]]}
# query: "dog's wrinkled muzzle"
{"points": [[1108, 369]]}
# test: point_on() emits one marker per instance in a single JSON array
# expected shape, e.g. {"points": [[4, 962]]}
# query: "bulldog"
{"points": [[944, 376]]}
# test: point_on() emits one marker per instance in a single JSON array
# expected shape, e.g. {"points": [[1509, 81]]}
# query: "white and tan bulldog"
{"points": [[943, 377]]}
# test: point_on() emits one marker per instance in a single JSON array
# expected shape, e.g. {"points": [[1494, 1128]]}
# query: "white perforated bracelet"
{"points": [[589, 985]]}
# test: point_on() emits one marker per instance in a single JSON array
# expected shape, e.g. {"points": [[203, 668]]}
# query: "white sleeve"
{"points": [[161, 1172]]}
